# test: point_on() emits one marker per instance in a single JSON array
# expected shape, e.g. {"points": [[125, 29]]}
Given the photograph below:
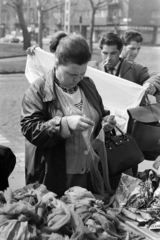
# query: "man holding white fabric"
{"points": [[111, 47]]}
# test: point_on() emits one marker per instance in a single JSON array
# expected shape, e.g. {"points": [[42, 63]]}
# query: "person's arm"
{"points": [[155, 80], [31, 50], [35, 125], [141, 73], [150, 81], [42, 131]]}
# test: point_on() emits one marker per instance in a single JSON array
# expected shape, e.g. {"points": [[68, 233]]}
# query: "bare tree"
{"points": [[42, 8], [95, 5], [18, 6]]}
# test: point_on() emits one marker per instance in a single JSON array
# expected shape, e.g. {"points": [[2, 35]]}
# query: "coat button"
{"points": [[86, 152]]}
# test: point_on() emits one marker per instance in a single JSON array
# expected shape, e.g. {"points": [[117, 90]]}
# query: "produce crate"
{"points": [[132, 225]]}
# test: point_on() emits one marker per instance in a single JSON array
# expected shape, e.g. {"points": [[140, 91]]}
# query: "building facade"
{"points": [[118, 16]]}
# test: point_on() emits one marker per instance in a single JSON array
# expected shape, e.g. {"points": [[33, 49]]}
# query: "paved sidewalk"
{"points": [[17, 178], [12, 89]]}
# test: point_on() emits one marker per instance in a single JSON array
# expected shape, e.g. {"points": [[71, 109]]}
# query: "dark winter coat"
{"points": [[40, 124]]}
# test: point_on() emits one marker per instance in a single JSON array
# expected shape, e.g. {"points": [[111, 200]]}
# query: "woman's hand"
{"points": [[109, 123], [30, 50], [79, 123]]}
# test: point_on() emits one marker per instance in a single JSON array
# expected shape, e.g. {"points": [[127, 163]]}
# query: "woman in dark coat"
{"points": [[58, 111]]}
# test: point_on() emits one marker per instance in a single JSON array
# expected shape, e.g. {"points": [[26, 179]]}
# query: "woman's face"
{"points": [[71, 74]]}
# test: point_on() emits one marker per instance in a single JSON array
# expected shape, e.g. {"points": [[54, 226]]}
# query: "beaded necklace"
{"points": [[67, 90]]}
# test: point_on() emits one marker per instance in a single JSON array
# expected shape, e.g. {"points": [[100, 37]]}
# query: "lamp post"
{"points": [[67, 16], [80, 24]]}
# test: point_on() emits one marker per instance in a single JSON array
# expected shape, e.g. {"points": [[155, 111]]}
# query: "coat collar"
{"points": [[49, 88], [126, 65]]}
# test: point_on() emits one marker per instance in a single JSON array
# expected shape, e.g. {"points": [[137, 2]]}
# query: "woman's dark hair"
{"points": [[74, 49], [56, 39], [110, 39], [131, 35]]}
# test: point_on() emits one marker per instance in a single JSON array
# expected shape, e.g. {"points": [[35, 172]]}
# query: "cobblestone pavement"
{"points": [[12, 88]]}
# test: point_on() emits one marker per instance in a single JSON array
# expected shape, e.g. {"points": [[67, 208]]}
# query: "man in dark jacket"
{"points": [[111, 47]]}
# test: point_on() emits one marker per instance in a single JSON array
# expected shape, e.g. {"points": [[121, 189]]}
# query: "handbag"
{"points": [[113, 154], [123, 153], [144, 126]]}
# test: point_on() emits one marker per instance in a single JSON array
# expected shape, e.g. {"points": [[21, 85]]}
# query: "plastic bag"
{"points": [[16, 230], [38, 64]]}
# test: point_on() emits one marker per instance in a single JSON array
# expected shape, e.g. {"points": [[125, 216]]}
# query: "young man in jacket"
{"points": [[132, 41], [111, 46]]}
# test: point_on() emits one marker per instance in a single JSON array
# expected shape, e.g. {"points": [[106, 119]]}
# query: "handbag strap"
{"points": [[104, 161], [120, 130], [150, 106]]}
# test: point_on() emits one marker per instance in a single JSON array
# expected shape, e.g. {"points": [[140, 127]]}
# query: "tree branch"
{"points": [[99, 4], [44, 2], [16, 2], [10, 5], [56, 6], [91, 2], [102, 3]]}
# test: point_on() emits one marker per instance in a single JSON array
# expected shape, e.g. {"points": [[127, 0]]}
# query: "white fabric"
{"points": [[38, 64], [117, 94]]}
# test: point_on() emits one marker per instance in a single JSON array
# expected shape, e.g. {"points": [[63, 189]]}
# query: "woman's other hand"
{"points": [[30, 50], [109, 123], [79, 123]]}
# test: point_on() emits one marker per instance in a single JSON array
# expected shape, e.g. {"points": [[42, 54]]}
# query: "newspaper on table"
{"points": [[117, 94]]}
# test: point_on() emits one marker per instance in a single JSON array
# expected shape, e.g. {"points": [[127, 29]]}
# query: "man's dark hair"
{"points": [[131, 35], [74, 49], [110, 39]]}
